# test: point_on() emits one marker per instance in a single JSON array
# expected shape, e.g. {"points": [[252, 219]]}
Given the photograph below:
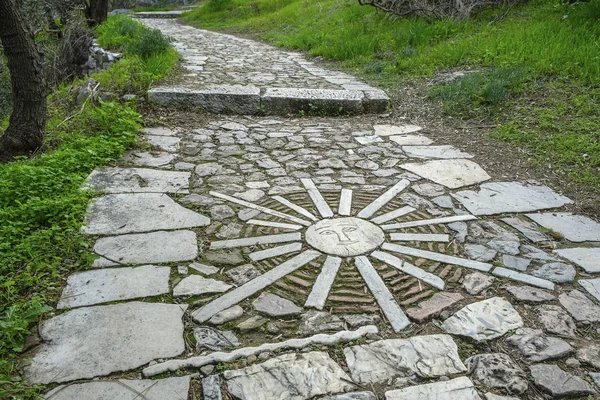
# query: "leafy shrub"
{"points": [[147, 43]]}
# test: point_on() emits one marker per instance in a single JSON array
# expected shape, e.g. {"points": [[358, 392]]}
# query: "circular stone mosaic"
{"points": [[344, 237], [370, 243]]}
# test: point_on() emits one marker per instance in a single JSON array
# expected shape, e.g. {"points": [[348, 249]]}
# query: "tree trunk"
{"points": [[97, 12], [26, 125]]}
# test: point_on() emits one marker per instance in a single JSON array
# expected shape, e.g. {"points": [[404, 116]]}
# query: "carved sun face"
{"points": [[334, 238]]}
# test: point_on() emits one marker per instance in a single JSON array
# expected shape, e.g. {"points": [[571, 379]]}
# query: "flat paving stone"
{"points": [[527, 228], [450, 173], [506, 197], [536, 346], [444, 152], [149, 159], [590, 355], [211, 388], [580, 307], [319, 321], [576, 228], [195, 285], [592, 286], [290, 376], [352, 396], [410, 140], [390, 130], [145, 248], [484, 320], [433, 306], [521, 264], [114, 284], [424, 356], [476, 282], [117, 214], [587, 258], [498, 371], [124, 389], [214, 339], [554, 319], [137, 180], [558, 383], [530, 294], [275, 306], [242, 274], [556, 272], [455, 389], [97, 341], [165, 143], [227, 315]]}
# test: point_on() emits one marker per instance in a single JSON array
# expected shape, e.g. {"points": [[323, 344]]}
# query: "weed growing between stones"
{"points": [[42, 206]]}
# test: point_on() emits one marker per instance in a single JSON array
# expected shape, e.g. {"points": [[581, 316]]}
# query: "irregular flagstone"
{"points": [[477, 282], [97, 341], [214, 339], [592, 286], [425, 356], [590, 355], [587, 258], [556, 272], [318, 321], [555, 320], [536, 346], [521, 264], [528, 293], [124, 389], [433, 306], [227, 315], [530, 230], [204, 269], [244, 352], [480, 253], [575, 228], [404, 140], [275, 306], [195, 285], [450, 173], [252, 323], [558, 383], [143, 248], [242, 274], [140, 180], [455, 389], [504, 197], [497, 370], [114, 284], [116, 214], [149, 159], [484, 320], [290, 376], [165, 143], [492, 396], [389, 130], [444, 151], [211, 388], [580, 307]]}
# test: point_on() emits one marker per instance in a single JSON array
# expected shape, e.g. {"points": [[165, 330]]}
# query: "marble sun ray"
{"points": [[339, 236]]}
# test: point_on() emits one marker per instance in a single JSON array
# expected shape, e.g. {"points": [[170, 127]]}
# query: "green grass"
{"points": [[545, 48], [42, 206]]}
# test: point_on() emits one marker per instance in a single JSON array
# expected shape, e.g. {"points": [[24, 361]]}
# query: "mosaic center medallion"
{"points": [[344, 237]]}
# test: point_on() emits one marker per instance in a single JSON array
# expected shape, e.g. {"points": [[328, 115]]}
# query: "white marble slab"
{"points": [[252, 241], [430, 255], [382, 200], [398, 320], [393, 214], [424, 222], [317, 198], [443, 151], [421, 237], [322, 286], [587, 258], [295, 207], [345, 202], [521, 277], [275, 251], [453, 173], [410, 269], [575, 228], [273, 224]]}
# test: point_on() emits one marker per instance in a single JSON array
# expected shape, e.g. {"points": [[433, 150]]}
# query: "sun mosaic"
{"points": [[332, 242]]}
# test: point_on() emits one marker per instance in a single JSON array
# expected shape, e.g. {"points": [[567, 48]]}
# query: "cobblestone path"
{"points": [[263, 258]]}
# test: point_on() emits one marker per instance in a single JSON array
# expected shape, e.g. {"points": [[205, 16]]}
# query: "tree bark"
{"points": [[28, 118], [97, 12]]}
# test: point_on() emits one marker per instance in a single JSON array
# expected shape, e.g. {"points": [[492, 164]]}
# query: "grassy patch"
{"points": [[42, 206]]}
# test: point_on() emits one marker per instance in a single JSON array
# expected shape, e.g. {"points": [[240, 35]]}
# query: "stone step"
{"points": [[159, 14], [251, 100]]}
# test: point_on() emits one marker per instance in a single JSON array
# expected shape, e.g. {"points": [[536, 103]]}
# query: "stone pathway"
{"points": [[336, 258], [224, 73]]}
